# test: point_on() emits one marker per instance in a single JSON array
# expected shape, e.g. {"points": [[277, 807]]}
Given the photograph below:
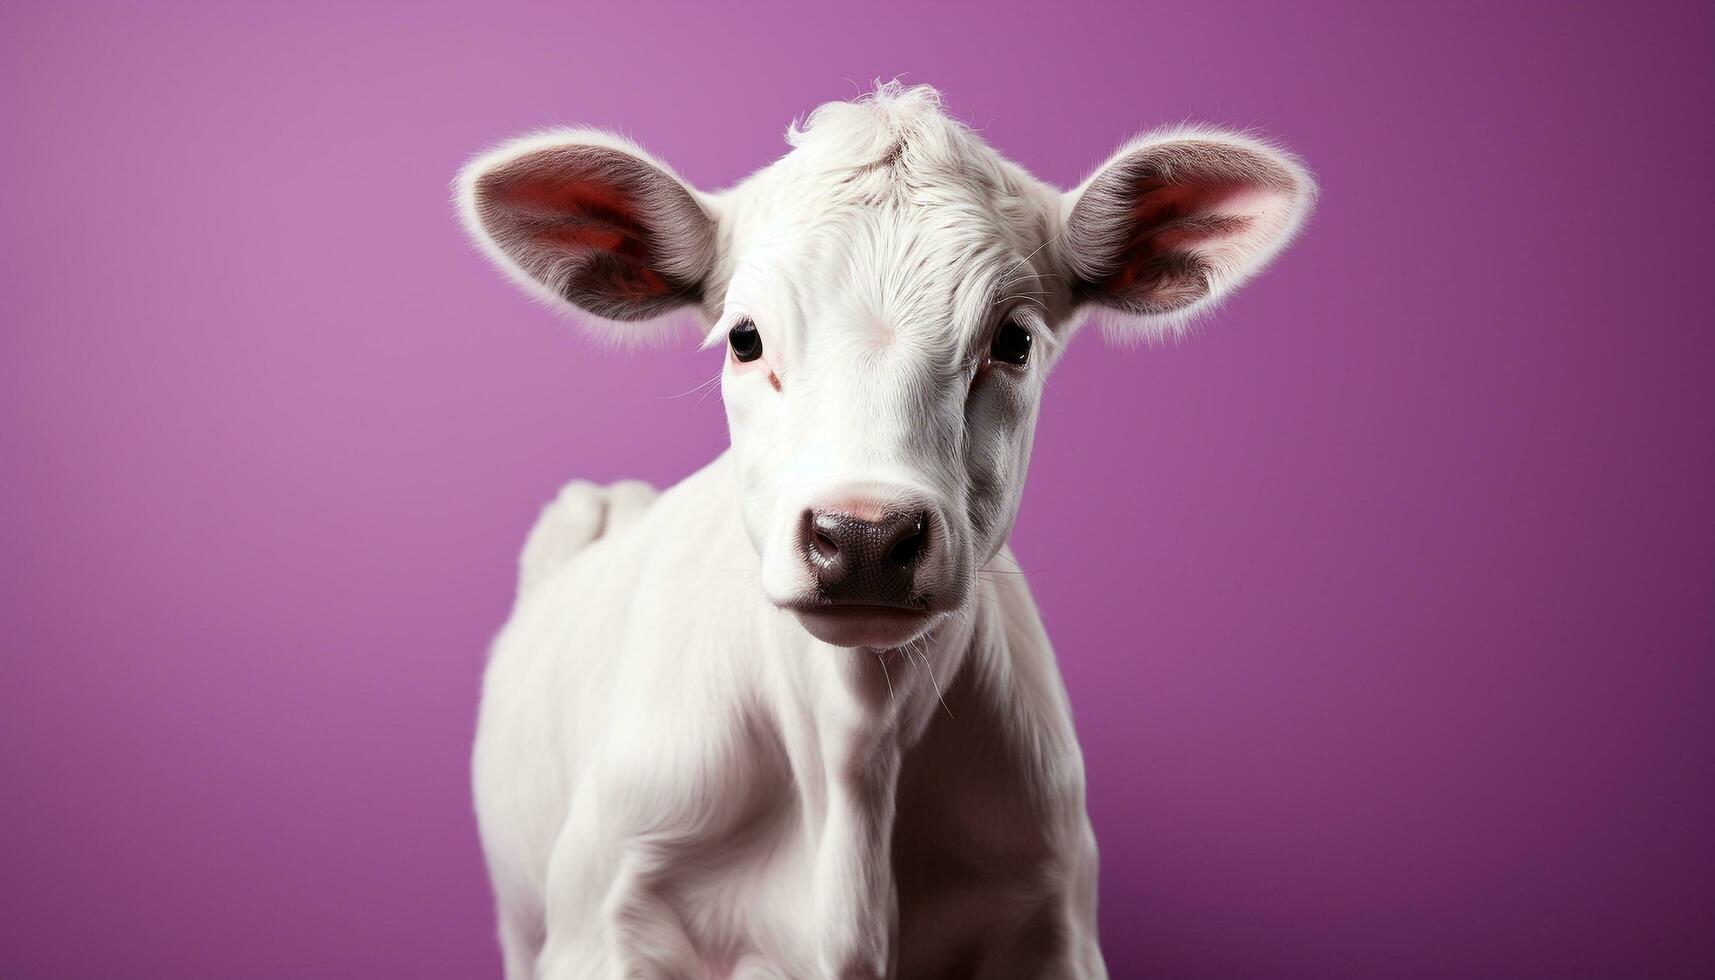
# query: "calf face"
{"points": [[890, 295]]}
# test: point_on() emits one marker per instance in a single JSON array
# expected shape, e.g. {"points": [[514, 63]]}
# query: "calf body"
{"points": [[796, 716], [674, 779]]}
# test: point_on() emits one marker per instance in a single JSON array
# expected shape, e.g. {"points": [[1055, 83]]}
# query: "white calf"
{"points": [[797, 716]]}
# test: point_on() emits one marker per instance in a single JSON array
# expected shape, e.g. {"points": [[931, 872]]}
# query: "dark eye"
{"points": [[746, 342], [1011, 343]]}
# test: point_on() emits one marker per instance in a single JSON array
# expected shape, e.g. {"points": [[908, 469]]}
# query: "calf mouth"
{"points": [[851, 624]]}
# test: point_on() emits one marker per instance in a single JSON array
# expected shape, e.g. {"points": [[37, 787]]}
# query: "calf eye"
{"points": [[1011, 343], [746, 342]]}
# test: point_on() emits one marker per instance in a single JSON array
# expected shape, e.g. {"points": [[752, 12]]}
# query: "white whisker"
{"points": [[881, 658], [702, 386], [923, 659]]}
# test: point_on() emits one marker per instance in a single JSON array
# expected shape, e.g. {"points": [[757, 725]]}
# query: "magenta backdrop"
{"points": [[1407, 666]]}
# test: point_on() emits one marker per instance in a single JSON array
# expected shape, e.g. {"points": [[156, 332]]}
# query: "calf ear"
{"points": [[585, 218], [1173, 221]]}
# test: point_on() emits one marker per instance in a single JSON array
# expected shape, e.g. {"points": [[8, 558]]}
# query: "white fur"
{"points": [[674, 777]]}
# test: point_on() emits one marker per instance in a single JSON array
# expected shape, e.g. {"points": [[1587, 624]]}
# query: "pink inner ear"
{"points": [[1180, 218], [558, 193], [1158, 201], [587, 236], [586, 214]]}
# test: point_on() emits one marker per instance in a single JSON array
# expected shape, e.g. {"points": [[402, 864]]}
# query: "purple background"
{"points": [[1408, 669]]}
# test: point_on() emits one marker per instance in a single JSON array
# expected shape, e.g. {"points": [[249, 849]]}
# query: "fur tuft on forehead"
{"points": [[873, 130], [895, 140]]}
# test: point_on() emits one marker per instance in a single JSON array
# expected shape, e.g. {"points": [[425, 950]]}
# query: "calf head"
{"points": [[890, 296]]}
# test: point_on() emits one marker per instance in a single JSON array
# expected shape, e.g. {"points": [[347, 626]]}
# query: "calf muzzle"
{"points": [[859, 561]]}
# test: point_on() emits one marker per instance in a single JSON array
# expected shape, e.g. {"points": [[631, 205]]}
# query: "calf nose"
{"points": [[866, 562]]}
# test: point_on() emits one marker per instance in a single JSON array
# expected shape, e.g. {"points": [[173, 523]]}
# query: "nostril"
{"points": [[823, 544], [909, 547], [822, 537]]}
